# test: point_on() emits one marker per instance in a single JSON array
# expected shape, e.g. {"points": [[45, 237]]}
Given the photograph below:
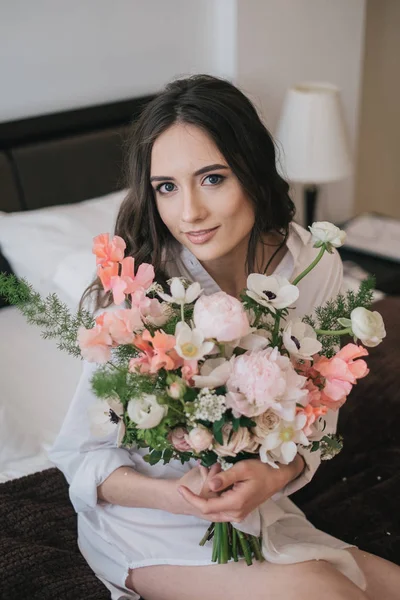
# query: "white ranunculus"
{"points": [[367, 326], [214, 373], [300, 340], [190, 343], [180, 295], [273, 291], [146, 412], [280, 445], [324, 232]]}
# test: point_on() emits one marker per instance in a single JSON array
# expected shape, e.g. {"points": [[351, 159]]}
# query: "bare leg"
{"points": [[383, 577], [311, 580]]}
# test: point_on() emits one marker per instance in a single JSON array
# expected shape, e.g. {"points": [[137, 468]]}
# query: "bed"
{"points": [[61, 183]]}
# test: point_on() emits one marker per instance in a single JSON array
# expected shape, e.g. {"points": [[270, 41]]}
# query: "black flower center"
{"points": [[270, 295], [114, 418], [296, 341]]}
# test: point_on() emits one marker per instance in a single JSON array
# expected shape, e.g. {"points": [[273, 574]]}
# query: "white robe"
{"points": [[114, 539]]}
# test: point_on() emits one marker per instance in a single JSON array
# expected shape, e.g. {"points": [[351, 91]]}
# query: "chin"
{"points": [[209, 252]]}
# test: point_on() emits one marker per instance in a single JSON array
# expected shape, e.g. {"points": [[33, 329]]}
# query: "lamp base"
{"points": [[310, 204]]}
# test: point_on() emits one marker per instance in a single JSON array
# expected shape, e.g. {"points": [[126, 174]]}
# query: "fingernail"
{"points": [[216, 483]]}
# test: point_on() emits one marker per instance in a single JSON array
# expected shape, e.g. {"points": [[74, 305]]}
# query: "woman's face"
{"points": [[198, 197]]}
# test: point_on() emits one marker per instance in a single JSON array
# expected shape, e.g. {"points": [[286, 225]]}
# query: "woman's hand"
{"points": [[247, 484]]}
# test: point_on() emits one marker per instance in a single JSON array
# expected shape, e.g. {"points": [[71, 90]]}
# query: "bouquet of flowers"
{"points": [[212, 377]]}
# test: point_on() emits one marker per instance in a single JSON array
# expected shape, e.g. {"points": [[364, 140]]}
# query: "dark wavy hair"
{"points": [[222, 111]]}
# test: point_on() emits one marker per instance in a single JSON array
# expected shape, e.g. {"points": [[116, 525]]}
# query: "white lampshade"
{"points": [[313, 135]]}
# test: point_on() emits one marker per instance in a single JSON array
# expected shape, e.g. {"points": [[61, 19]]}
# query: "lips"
{"points": [[202, 236]]}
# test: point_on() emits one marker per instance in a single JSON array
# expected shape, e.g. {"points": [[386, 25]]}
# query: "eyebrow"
{"points": [[198, 172]]}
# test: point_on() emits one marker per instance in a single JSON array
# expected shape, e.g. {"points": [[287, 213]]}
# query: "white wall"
{"points": [[282, 42], [56, 55]]}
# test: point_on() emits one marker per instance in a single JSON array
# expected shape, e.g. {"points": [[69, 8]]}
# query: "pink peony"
{"points": [[95, 344], [264, 379], [221, 316], [177, 438], [199, 439]]}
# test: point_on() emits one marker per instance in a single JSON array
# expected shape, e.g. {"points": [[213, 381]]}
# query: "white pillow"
{"points": [[52, 247], [37, 385]]}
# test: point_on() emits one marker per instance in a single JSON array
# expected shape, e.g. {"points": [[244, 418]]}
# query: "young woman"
{"points": [[206, 202]]}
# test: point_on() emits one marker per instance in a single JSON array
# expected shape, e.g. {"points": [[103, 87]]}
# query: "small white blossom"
{"points": [[180, 295], [208, 406], [190, 343]]}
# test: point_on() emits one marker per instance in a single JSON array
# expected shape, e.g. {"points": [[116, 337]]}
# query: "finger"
{"points": [[216, 468], [225, 479], [224, 503]]}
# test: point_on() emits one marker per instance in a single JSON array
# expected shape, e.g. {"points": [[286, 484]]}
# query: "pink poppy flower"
{"points": [[108, 252]]}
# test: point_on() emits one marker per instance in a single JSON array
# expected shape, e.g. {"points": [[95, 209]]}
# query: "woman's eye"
{"points": [[214, 179], [165, 188]]}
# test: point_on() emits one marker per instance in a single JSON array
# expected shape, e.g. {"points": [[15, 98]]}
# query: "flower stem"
{"points": [[182, 313], [234, 545], [207, 534], [245, 547], [333, 331], [310, 267]]}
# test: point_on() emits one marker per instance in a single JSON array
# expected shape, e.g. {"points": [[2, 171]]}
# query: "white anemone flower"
{"points": [[213, 373], [280, 445], [180, 295], [273, 291], [106, 419], [190, 343], [300, 340], [146, 412], [326, 233]]}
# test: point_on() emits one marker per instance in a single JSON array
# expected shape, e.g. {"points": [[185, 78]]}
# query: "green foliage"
{"points": [[50, 314], [176, 317], [110, 380], [327, 315]]}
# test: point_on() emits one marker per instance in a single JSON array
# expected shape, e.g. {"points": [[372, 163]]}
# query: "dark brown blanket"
{"points": [[354, 497]]}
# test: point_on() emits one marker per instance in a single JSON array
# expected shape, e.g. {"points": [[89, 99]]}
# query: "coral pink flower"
{"points": [[108, 252], [189, 369], [95, 344], [158, 352], [140, 364], [127, 282], [312, 413], [107, 274], [341, 373], [122, 324]]}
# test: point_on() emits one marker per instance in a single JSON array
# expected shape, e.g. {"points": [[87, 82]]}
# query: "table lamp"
{"points": [[314, 139]]}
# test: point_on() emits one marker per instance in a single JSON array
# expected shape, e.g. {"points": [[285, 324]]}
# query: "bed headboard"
{"points": [[65, 157]]}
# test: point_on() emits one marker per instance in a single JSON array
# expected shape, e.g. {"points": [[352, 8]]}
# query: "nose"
{"points": [[193, 209]]}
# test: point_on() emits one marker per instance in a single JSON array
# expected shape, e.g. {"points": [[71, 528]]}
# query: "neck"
{"points": [[226, 272]]}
